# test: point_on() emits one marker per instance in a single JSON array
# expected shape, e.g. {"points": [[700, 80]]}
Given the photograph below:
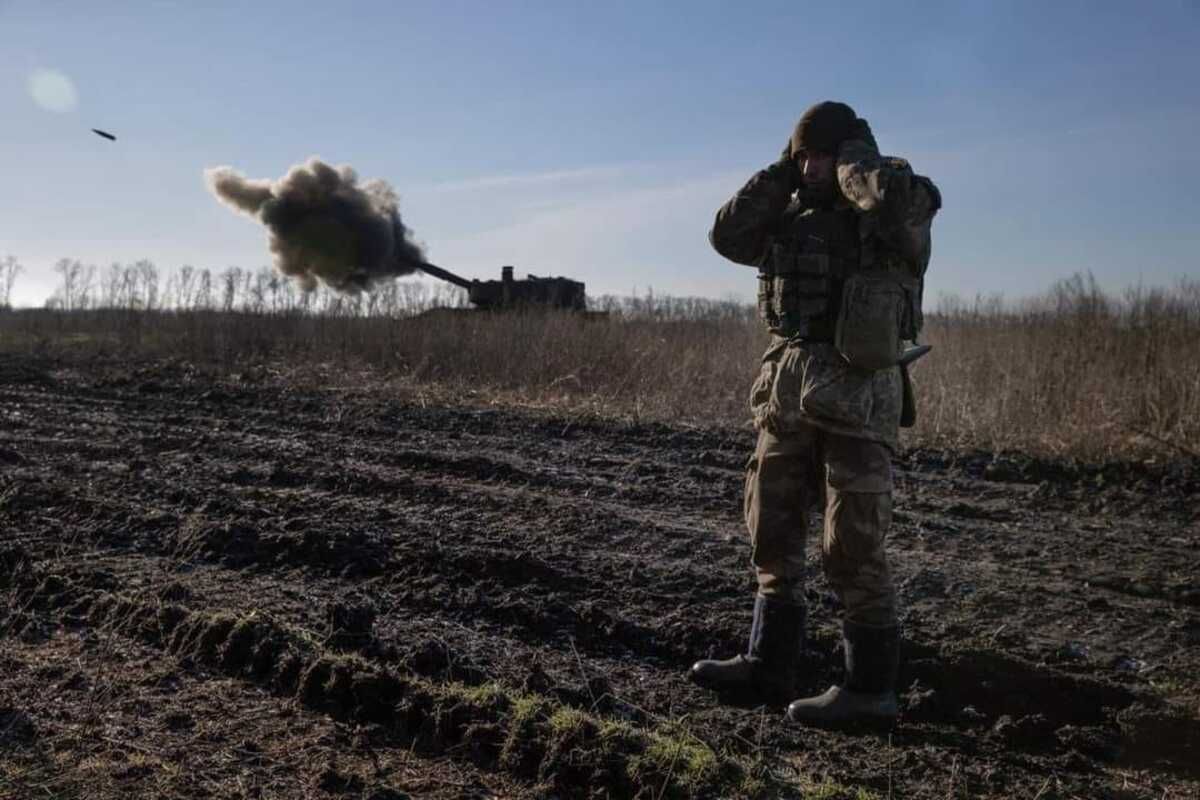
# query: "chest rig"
{"points": [[804, 269], [829, 277]]}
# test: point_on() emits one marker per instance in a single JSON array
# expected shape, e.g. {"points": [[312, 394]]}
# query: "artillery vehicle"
{"points": [[530, 292]]}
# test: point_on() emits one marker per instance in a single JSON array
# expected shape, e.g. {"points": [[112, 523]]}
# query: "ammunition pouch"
{"points": [[878, 310], [822, 281], [794, 293]]}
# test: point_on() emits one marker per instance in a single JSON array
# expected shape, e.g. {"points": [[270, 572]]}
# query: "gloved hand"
{"points": [[786, 170]]}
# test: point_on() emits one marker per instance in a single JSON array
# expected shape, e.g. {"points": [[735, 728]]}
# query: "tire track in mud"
{"points": [[427, 646], [356, 484], [242, 544], [1067, 709], [422, 572], [501, 463], [564, 750], [501, 539], [94, 715], [590, 628]]}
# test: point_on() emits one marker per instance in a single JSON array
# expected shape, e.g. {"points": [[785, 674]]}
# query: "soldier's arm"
{"points": [[744, 224], [870, 182], [884, 186], [897, 205]]}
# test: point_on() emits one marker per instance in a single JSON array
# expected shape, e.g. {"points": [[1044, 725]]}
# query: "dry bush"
{"points": [[1073, 372]]}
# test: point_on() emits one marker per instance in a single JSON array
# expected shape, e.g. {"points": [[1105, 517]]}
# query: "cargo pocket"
{"points": [[784, 410], [749, 499], [760, 393], [837, 393]]}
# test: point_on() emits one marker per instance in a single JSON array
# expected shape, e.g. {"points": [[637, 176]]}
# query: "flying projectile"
{"points": [[105, 134]]}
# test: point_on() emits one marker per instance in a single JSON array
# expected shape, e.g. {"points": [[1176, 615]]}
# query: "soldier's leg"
{"points": [[858, 513], [781, 489]]}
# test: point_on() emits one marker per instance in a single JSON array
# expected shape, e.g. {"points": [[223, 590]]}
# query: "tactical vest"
{"points": [[802, 272], [805, 272]]}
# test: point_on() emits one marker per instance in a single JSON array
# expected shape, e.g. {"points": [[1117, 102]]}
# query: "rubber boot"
{"points": [[868, 694], [769, 664]]}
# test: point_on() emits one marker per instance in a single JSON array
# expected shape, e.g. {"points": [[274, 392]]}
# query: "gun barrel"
{"points": [[438, 272]]}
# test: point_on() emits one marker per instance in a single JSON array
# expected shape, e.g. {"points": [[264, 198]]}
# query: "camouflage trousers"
{"points": [[792, 474]]}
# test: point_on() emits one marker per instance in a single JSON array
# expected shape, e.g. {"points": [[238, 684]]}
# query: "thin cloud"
{"points": [[613, 240], [531, 179]]}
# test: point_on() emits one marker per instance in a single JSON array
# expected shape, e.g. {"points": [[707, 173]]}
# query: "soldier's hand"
{"points": [[786, 170]]}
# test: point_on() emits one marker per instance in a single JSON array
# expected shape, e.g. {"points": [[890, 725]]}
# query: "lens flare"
{"points": [[52, 90]]}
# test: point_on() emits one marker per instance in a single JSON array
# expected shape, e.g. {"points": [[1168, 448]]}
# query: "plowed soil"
{"points": [[262, 585]]}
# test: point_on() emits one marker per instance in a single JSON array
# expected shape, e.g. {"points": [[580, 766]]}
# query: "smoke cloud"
{"points": [[323, 225]]}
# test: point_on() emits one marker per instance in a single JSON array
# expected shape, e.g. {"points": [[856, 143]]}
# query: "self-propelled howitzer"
{"points": [[530, 292]]}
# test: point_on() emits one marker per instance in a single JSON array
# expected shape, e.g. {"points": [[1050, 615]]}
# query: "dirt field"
{"points": [[259, 587]]}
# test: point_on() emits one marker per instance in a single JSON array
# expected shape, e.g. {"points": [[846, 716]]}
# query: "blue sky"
{"points": [[596, 140]]}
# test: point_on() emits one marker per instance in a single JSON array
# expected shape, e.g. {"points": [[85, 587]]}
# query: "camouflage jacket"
{"points": [[804, 380]]}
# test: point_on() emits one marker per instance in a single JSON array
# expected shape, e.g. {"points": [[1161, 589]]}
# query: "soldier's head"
{"points": [[816, 139]]}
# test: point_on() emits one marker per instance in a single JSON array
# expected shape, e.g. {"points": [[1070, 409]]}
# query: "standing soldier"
{"points": [[841, 238]]}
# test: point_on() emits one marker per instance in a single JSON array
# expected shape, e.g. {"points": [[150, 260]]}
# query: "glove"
{"points": [[786, 170]]}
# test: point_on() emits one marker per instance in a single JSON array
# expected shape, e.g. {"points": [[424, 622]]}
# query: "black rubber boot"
{"points": [[769, 665], [868, 694]]}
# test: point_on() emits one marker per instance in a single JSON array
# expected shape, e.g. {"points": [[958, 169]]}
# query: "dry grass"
{"points": [[1074, 372]]}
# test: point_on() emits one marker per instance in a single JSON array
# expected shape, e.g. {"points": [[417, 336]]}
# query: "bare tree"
{"points": [[148, 273], [258, 291], [110, 286], [74, 291], [275, 288], [87, 283], [231, 279], [306, 301], [184, 286], [203, 297], [247, 290], [9, 269], [130, 287]]}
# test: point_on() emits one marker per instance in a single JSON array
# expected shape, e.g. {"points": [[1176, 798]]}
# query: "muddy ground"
{"points": [[255, 585]]}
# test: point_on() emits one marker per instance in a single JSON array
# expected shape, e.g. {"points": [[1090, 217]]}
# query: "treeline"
{"points": [[1076, 370], [141, 286]]}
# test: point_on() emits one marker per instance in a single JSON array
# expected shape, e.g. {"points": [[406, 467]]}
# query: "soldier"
{"points": [[841, 238]]}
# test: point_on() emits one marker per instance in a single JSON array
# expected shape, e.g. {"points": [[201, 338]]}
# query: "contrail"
{"points": [[322, 225]]}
